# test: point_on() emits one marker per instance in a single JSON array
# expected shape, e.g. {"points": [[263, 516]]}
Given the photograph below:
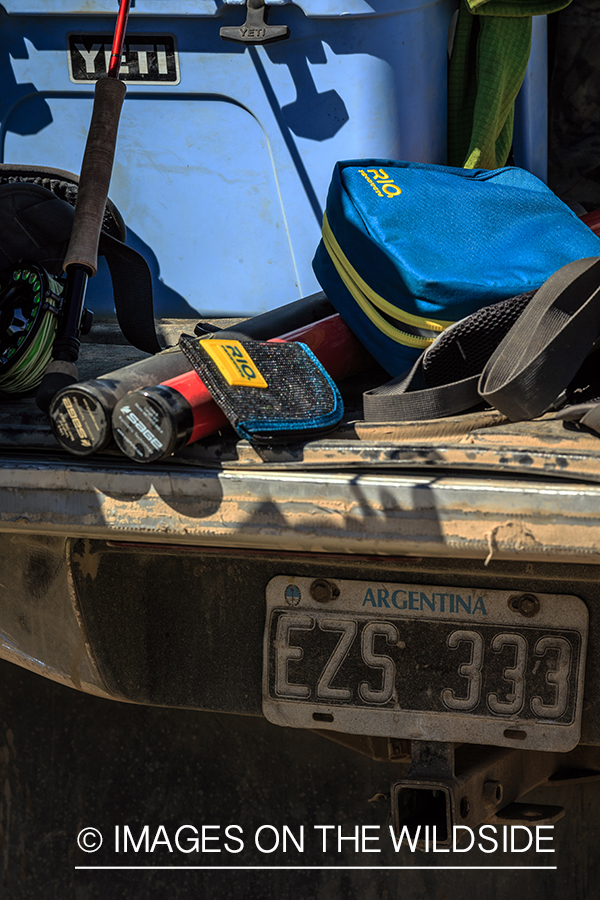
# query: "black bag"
{"points": [[523, 356], [36, 217]]}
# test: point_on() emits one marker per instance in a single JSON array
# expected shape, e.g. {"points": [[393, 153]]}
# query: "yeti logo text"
{"points": [[152, 59]]}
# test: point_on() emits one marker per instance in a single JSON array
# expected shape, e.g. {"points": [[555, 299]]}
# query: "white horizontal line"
{"points": [[323, 868]]}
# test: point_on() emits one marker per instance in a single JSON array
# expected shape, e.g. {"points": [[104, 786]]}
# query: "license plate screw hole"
{"points": [[526, 604], [322, 717], [324, 591]]}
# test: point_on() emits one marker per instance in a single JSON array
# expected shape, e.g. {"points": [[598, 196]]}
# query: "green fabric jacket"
{"points": [[489, 58]]}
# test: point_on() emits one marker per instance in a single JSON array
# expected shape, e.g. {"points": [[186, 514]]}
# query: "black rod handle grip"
{"points": [[96, 171]]}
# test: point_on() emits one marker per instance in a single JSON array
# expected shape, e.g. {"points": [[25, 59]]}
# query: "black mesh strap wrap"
{"points": [[526, 372]]}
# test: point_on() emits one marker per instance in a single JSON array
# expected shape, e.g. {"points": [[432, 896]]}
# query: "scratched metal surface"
{"points": [[383, 513], [484, 442]]}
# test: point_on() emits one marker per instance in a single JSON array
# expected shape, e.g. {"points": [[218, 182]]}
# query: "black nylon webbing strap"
{"points": [[587, 414], [406, 398], [544, 349], [528, 370], [132, 290]]}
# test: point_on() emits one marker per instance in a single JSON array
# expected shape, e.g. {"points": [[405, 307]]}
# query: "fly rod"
{"points": [[81, 261]]}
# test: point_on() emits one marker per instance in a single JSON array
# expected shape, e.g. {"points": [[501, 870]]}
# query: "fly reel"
{"points": [[31, 310], [30, 306]]}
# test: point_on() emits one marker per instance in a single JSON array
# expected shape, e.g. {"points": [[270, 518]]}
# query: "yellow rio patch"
{"points": [[234, 364]]}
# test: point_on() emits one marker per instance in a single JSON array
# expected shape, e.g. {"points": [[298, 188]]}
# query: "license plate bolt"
{"points": [[526, 604], [324, 591]]}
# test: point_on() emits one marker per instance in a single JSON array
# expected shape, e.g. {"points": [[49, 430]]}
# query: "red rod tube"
{"points": [[119, 39]]}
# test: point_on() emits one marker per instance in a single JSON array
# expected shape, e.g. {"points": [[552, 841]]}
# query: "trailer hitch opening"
{"points": [[428, 805]]}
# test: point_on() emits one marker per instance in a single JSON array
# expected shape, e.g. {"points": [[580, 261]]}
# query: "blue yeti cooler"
{"points": [[226, 150]]}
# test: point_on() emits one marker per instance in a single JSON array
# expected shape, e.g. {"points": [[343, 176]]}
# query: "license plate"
{"points": [[425, 662], [147, 58]]}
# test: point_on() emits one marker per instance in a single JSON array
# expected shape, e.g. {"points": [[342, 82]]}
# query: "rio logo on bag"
{"points": [[381, 182]]}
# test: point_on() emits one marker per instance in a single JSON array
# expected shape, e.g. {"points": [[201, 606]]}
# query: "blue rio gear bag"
{"points": [[408, 249]]}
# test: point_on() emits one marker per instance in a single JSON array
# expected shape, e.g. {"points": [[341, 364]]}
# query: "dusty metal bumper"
{"points": [[382, 513]]}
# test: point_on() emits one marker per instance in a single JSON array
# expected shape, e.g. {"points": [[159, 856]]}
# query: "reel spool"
{"points": [[30, 306]]}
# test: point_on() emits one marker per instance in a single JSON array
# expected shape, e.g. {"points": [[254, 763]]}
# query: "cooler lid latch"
{"points": [[255, 29]]}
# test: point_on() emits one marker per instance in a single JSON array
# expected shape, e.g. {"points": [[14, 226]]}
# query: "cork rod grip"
{"points": [[96, 170]]}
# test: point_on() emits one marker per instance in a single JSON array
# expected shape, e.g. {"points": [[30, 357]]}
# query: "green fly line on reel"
{"points": [[30, 303]]}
